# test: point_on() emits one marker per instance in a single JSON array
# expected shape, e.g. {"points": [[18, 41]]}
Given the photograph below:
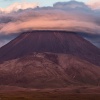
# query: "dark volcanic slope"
{"points": [[50, 41]]}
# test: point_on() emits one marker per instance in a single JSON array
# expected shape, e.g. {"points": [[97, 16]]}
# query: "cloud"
{"points": [[71, 5], [71, 16], [95, 4], [16, 6]]}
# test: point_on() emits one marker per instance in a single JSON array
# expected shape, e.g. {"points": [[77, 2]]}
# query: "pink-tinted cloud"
{"points": [[16, 6], [94, 4], [71, 16]]}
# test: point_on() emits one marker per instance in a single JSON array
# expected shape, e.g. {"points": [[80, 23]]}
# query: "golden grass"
{"points": [[47, 96]]}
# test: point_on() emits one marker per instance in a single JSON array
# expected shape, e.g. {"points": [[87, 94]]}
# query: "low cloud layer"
{"points": [[71, 16]]}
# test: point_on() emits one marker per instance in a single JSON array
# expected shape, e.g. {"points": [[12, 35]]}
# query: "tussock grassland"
{"points": [[54, 95]]}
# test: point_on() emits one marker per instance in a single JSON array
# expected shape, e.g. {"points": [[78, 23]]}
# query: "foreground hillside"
{"points": [[49, 70]]}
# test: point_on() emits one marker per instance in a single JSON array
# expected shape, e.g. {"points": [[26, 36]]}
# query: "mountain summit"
{"points": [[50, 41]]}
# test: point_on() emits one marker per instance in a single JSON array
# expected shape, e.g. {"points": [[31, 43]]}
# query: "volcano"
{"points": [[45, 59], [50, 41]]}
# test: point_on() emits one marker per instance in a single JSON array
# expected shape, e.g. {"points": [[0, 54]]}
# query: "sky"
{"points": [[81, 16], [5, 3]]}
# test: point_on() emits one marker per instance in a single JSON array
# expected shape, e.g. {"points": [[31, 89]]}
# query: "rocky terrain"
{"points": [[49, 70]]}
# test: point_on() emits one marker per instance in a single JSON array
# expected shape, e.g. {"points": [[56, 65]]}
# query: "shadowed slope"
{"points": [[50, 41]]}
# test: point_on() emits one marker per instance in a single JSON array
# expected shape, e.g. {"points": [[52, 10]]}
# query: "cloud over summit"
{"points": [[71, 16]]}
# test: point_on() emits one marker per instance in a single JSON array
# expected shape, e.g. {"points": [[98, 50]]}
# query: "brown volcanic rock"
{"points": [[47, 70], [50, 41]]}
